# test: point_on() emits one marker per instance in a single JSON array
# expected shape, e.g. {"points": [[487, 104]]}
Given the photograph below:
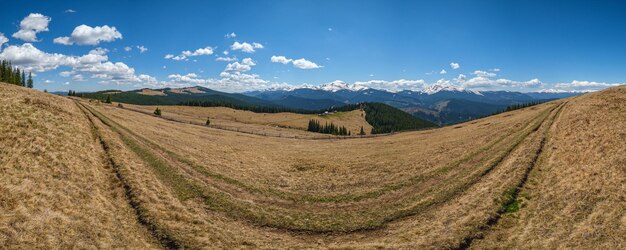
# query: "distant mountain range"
{"points": [[438, 103]]}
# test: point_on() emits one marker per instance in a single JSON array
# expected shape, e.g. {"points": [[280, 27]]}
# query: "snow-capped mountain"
{"points": [[442, 103]]}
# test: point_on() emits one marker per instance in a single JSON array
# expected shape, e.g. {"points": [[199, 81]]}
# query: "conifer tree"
{"points": [[362, 132], [29, 83], [23, 79], [108, 100]]}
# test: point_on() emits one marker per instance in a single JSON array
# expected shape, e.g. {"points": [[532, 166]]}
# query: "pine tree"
{"points": [[23, 78], [18, 77], [29, 83], [108, 100], [362, 132]]}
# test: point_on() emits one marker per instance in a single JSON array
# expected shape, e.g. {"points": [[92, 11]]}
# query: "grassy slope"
{"points": [[56, 189], [425, 189], [352, 120]]}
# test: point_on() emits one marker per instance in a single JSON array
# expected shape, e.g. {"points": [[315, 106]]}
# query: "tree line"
{"points": [[14, 75], [327, 128], [266, 109], [521, 105]]}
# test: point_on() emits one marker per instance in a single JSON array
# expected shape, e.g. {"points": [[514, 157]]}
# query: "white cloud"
{"points": [[66, 73], [495, 70], [461, 78], [246, 47], [483, 82], [305, 64], [231, 35], [142, 49], [32, 59], [454, 65], [78, 78], [86, 35], [128, 48], [31, 25], [298, 63], [393, 86], [226, 59], [95, 63], [185, 54], [70, 11], [48, 81], [245, 65], [585, 85], [281, 59], [3, 39], [443, 71], [481, 73]]}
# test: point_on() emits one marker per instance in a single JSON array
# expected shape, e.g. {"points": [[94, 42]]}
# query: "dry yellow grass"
{"points": [[247, 120], [56, 190], [151, 92], [201, 187]]}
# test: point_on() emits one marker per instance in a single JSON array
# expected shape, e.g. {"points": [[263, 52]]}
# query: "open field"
{"points": [[549, 176], [232, 118]]}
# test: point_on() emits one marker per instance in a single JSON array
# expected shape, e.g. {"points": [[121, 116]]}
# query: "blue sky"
{"points": [[498, 45]]}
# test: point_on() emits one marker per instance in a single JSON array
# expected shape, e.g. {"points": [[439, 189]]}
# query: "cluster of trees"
{"points": [[315, 126], [521, 106], [387, 119], [13, 75], [72, 93]]}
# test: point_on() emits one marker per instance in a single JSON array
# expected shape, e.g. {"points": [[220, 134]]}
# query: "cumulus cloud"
{"points": [[230, 35], [226, 59], [3, 39], [483, 82], [393, 86], [86, 35], [128, 48], [298, 63], [281, 59], [142, 49], [454, 65], [443, 71], [305, 64], [95, 63], [245, 65], [31, 25], [576, 85], [246, 47], [481, 73], [185, 54]]}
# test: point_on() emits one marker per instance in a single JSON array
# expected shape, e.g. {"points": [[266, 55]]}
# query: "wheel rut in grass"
{"points": [[160, 236], [513, 193]]}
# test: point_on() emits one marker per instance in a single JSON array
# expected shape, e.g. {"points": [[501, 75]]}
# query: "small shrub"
{"points": [[119, 105], [157, 112], [208, 121]]}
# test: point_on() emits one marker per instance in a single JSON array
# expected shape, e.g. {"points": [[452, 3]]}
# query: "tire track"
{"points": [[166, 241], [466, 243]]}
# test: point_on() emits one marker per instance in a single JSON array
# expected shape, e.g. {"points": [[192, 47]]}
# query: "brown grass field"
{"points": [[284, 124], [80, 174]]}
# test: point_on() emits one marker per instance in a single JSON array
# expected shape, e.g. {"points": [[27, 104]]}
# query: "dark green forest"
{"points": [[14, 75]]}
